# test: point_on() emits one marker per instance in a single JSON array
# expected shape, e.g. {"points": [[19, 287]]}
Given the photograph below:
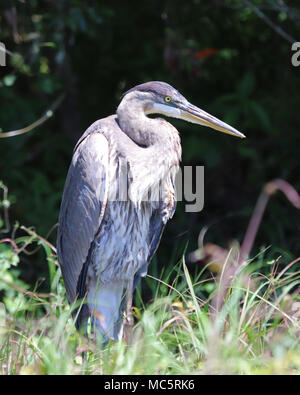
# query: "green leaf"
{"points": [[282, 16], [261, 115], [9, 79], [246, 86]]}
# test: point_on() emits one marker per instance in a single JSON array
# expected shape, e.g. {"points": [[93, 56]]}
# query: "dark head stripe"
{"points": [[161, 88]]}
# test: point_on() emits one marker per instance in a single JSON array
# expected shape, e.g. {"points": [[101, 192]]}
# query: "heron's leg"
{"points": [[128, 324], [104, 302]]}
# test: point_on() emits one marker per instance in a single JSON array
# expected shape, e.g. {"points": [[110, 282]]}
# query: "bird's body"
{"points": [[118, 196]]}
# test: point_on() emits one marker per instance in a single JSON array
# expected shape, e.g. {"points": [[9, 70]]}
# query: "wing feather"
{"points": [[82, 208]]}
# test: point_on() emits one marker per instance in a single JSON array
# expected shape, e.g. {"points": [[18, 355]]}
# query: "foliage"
{"points": [[250, 326], [73, 59], [223, 57], [246, 323]]}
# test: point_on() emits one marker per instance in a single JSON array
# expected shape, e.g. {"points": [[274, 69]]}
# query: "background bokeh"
{"points": [[231, 58]]}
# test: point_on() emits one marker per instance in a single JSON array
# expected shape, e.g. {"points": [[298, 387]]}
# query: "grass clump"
{"points": [[248, 322]]}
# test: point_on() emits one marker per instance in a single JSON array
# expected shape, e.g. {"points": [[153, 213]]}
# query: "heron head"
{"points": [[162, 98]]}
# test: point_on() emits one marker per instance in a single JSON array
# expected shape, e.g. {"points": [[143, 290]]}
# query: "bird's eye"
{"points": [[168, 99]]}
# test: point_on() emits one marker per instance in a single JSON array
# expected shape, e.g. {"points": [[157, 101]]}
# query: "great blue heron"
{"points": [[104, 243]]}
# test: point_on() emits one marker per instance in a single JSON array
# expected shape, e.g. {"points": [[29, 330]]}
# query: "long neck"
{"points": [[134, 122], [157, 135], [155, 150]]}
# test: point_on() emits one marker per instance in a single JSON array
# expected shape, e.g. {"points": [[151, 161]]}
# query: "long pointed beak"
{"points": [[194, 114]]}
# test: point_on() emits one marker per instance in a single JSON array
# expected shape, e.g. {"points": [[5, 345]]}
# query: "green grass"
{"points": [[248, 324]]}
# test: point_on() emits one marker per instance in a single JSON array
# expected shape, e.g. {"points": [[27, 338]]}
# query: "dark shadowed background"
{"points": [[231, 58]]}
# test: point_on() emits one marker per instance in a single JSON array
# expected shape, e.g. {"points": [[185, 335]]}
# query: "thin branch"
{"points": [[40, 121], [291, 13], [7, 240], [269, 189], [26, 292], [270, 23], [5, 208], [35, 235]]}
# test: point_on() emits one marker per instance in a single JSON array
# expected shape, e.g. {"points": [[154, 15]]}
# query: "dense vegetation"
{"points": [[67, 64]]}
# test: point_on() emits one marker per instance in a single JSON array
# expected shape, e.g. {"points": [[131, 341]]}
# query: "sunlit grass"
{"points": [[248, 324]]}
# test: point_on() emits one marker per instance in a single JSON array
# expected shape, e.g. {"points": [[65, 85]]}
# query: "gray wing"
{"points": [[156, 229], [82, 208]]}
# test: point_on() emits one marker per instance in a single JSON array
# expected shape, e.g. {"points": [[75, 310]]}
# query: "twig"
{"points": [[269, 189], [288, 267], [32, 233], [5, 208], [12, 243], [268, 21], [40, 121], [26, 292]]}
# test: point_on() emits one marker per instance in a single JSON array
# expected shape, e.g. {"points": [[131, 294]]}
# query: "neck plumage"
{"points": [[155, 146], [155, 134]]}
